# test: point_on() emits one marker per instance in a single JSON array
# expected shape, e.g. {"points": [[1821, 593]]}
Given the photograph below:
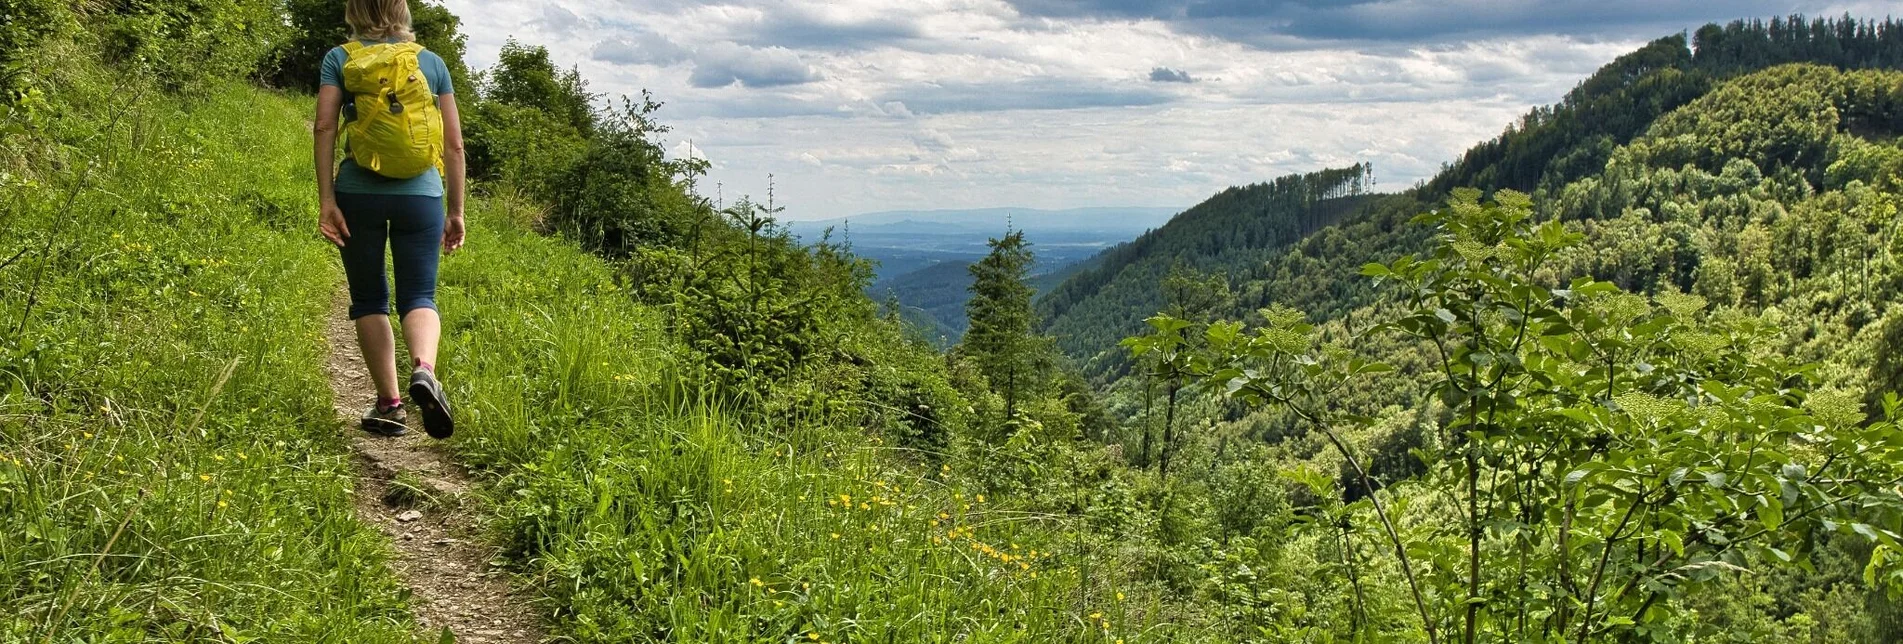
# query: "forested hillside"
{"points": [[1646, 402], [1232, 231]]}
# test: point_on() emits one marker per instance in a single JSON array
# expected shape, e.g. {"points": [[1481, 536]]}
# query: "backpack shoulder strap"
{"points": [[351, 46]]}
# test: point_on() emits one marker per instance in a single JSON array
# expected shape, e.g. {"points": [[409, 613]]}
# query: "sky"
{"points": [[856, 106]]}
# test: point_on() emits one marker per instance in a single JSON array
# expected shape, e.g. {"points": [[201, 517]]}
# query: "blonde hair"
{"points": [[378, 20]]}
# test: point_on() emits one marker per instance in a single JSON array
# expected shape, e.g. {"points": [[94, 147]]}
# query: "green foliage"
{"points": [[1606, 453], [185, 43], [24, 24], [623, 192], [751, 302], [523, 147], [525, 76]]}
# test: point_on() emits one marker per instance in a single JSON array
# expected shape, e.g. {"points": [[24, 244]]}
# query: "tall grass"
{"points": [[647, 510], [170, 467]]}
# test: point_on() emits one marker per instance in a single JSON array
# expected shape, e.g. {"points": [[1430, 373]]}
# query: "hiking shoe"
{"points": [[385, 421], [427, 393]]}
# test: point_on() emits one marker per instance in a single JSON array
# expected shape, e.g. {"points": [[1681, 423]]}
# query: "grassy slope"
{"points": [[649, 512], [169, 465]]}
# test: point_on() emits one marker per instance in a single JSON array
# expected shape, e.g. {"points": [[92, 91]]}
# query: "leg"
{"points": [[379, 352], [416, 239], [369, 292], [421, 328]]}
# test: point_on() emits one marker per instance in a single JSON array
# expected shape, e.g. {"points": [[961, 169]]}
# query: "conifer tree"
{"points": [[1000, 341]]}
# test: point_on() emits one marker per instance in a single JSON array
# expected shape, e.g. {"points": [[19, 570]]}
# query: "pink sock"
{"points": [[386, 403], [426, 366]]}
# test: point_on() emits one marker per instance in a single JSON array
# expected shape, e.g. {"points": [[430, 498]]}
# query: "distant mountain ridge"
{"points": [[996, 220], [922, 255]]}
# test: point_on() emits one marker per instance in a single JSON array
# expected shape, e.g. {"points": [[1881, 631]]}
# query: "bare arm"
{"points": [[453, 172], [330, 220]]}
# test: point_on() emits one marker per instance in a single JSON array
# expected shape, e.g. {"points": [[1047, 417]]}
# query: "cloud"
{"points": [[802, 27], [634, 47], [895, 109], [557, 19], [725, 64], [934, 140], [1025, 94], [1167, 75], [1296, 23]]}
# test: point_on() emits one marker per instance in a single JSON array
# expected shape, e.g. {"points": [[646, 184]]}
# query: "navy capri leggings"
{"points": [[412, 226]]}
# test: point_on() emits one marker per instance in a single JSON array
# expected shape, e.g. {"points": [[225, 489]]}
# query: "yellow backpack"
{"points": [[397, 131]]}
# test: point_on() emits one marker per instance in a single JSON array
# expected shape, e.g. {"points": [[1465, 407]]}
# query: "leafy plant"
{"points": [[1605, 453]]}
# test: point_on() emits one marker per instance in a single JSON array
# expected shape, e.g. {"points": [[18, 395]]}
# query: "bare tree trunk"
{"points": [[1169, 433]]}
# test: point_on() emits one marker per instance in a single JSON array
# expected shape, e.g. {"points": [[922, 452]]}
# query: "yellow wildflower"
{"points": [[756, 582]]}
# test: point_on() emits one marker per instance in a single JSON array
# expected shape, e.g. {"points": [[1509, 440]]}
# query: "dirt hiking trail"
{"points": [[410, 490]]}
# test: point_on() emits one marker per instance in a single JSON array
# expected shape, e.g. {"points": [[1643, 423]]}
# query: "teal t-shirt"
{"points": [[354, 179]]}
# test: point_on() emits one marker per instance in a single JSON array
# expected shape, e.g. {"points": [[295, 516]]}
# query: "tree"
{"points": [[525, 76], [1012, 358]]}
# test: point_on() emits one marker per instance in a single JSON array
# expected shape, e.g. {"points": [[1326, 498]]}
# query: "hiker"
{"points": [[401, 182]]}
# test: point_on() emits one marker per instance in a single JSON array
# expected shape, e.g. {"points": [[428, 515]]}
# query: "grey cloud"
{"points": [[933, 140], [557, 19], [1290, 23], [1035, 94], [1167, 75], [788, 27], [639, 47], [895, 108], [726, 63]]}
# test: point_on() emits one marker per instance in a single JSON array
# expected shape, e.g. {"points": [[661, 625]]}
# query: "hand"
{"points": [[453, 233], [330, 222]]}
